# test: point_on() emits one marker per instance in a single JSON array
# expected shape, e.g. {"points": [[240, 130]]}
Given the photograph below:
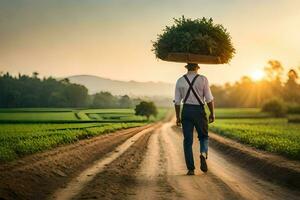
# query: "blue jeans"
{"points": [[194, 116]]}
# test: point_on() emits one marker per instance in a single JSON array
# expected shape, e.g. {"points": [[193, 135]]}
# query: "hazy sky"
{"points": [[112, 39]]}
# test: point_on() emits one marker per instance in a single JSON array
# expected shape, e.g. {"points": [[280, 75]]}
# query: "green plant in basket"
{"points": [[199, 36]]}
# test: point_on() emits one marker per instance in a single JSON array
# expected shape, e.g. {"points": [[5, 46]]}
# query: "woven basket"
{"points": [[192, 58]]}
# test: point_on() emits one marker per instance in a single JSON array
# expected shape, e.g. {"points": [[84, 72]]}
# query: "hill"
{"points": [[96, 84]]}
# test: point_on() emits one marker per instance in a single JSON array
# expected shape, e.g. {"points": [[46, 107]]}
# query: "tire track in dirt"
{"points": [[76, 185], [162, 173], [152, 175], [117, 178], [203, 185], [236, 179]]}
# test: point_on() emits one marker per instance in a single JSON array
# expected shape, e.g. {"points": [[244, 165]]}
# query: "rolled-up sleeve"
{"points": [[178, 96], [207, 92]]}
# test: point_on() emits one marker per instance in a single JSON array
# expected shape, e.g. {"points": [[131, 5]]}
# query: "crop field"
{"points": [[226, 113], [275, 135], [38, 116], [26, 131], [19, 138], [45, 115]]}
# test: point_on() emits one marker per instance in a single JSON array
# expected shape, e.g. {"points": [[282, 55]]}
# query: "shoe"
{"points": [[203, 166], [190, 173]]}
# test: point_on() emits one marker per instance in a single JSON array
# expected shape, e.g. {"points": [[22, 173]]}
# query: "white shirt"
{"points": [[200, 86]]}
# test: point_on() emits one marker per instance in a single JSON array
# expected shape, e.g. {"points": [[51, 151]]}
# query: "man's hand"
{"points": [[178, 122], [211, 118], [177, 110]]}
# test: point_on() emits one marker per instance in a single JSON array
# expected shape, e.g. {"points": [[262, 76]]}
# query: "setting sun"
{"points": [[257, 75]]}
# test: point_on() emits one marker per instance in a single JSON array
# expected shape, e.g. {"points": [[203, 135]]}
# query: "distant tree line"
{"points": [[31, 91], [249, 93], [107, 100], [26, 91]]}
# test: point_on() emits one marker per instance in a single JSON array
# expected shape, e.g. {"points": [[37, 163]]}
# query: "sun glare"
{"points": [[257, 75]]}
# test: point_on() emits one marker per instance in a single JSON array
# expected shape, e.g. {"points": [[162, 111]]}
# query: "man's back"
{"points": [[201, 87]]}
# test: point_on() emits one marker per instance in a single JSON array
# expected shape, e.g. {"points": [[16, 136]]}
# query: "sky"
{"points": [[113, 39]]}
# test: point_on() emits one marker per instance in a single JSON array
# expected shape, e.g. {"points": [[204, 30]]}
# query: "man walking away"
{"points": [[193, 90]]}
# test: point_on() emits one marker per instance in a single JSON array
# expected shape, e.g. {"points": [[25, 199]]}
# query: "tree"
{"points": [[76, 95], [275, 107], [35, 74], [65, 81], [146, 109], [125, 102], [31, 91], [274, 70], [292, 88], [104, 100]]}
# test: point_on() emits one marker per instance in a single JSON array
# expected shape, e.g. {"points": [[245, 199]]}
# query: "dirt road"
{"points": [[161, 175], [164, 165], [150, 165]]}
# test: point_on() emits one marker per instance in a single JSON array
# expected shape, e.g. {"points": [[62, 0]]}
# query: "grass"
{"points": [[23, 138], [295, 118], [36, 109], [54, 115], [248, 126], [270, 134], [222, 113], [39, 116]]}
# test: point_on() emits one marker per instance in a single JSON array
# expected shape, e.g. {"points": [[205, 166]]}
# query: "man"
{"points": [[193, 89]]}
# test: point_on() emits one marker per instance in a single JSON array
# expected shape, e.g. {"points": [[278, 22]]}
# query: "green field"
{"points": [[226, 113], [19, 136], [275, 135], [52, 115], [26, 131]]}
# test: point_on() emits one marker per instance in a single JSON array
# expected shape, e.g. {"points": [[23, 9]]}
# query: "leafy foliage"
{"points": [[26, 91], [146, 109], [239, 113], [199, 36], [104, 100], [17, 140], [23, 139], [275, 106], [273, 134], [294, 108], [294, 119]]}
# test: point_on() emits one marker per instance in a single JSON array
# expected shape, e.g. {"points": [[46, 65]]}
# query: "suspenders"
{"points": [[191, 89]]}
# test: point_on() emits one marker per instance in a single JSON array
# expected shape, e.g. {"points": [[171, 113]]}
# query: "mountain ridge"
{"points": [[117, 87]]}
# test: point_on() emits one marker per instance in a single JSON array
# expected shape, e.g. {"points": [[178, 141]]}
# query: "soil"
{"points": [[140, 163], [37, 176], [117, 175], [271, 167]]}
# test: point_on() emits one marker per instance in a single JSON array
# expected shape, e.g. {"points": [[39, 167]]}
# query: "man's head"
{"points": [[192, 67]]}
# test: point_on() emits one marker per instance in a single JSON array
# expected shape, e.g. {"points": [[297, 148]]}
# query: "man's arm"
{"points": [[211, 117], [177, 103], [177, 110], [210, 101]]}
